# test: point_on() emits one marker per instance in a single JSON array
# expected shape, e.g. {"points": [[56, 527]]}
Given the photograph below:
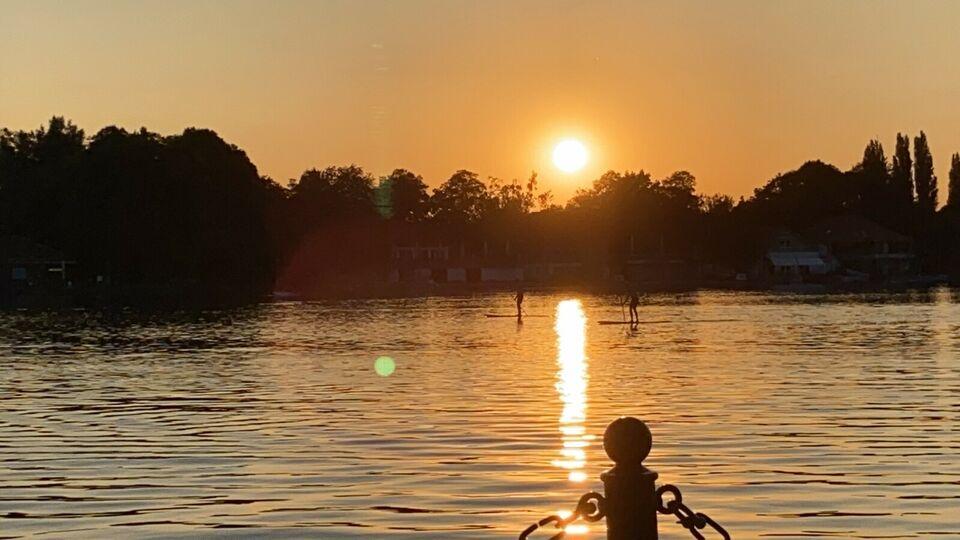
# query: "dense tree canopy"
{"points": [[186, 211], [799, 198], [462, 200], [143, 211], [334, 194], [409, 201]]}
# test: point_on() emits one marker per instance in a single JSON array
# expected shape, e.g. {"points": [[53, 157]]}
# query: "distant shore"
{"points": [[166, 299], [606, 288]]}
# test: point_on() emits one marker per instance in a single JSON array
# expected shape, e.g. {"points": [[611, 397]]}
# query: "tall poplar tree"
{"points": [[901, 184], [926, 186], [953, 189], [923, 177], [901, 173], [873, 180]]}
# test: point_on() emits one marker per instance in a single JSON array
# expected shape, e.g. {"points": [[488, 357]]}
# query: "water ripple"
{"points": [[784, 416]]}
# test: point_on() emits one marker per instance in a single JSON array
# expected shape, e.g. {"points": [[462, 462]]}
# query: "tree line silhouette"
{"points": [[189, 214]]}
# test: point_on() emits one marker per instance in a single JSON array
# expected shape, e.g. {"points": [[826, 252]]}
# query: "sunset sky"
{"points": [[733, 92]]}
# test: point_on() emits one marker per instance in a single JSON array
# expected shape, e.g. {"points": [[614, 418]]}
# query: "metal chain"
{"points": [[589, 508], [692, 521]]}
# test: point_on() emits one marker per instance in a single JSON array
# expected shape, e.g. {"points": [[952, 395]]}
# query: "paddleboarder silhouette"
{"points": [[634, 302], [519, 299]]}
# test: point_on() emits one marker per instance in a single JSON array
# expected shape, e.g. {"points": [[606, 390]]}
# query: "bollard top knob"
{"points": [[627, 441]]}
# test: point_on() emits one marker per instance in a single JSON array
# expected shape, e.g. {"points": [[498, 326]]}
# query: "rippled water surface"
{"points": [[780, 416]]}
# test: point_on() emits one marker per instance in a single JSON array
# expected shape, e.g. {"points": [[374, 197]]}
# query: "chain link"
{"points": [[589, 508], [692, 521]]}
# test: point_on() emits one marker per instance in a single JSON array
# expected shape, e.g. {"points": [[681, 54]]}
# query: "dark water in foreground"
{"points": [[780, 416]]}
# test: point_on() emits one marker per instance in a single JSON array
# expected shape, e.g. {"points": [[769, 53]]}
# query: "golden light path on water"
{"points": [[571, 386]]}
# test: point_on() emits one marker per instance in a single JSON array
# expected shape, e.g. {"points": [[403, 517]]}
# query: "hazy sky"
{"points": [[731, 91]]}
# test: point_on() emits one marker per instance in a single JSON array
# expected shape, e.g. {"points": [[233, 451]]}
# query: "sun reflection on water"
{"points": [[572, 387]]}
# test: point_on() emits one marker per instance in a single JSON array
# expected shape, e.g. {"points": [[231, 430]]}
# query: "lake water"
{"points": [[780, 416]]}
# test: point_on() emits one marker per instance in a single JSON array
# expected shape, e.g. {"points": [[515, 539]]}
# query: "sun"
{"points": [[569, 155]]}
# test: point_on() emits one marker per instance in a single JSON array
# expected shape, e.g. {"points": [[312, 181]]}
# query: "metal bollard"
{"points": [[629, 491], [631, 500]]}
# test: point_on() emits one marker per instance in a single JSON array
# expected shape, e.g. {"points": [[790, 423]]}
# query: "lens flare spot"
{"points": [[384, 366]]}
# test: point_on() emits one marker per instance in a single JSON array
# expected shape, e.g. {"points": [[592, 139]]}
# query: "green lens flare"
{"points": [[384, 366]]}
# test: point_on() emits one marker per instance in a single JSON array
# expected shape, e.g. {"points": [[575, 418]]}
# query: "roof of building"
{"points": [[796, 258], [852, 228], [17, 249]]}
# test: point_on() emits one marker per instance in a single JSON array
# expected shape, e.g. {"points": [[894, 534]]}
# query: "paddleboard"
{"points": [[513, 316]]}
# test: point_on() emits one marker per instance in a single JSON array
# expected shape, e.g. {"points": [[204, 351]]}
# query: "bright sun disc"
{"points": [[570, 155]]}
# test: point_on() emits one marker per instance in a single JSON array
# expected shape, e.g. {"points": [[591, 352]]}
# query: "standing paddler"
{"points": [[634, 302]]}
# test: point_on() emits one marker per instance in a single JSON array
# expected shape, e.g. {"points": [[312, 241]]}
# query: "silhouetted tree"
{"points": [[613, 192], [409, 200], [873, 186], [461, 200], [150, 214], [680, 187], [126, 204], [717, 204], [517, 198], [948, 224], [901, 185], [221, 211], [508, 196], [953, 189], [926, 186], [506, 224], [335, 195], [636, 217], [800, 198], [543, 199], [189, 216], [901, 172], [722, 242], [38, 182], [874, 159], [925, 180], [337, 226]]}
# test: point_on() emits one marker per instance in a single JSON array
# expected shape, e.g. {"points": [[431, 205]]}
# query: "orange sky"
{"points": [[732, 91]]}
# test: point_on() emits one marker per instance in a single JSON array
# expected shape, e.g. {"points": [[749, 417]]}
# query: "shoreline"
{"points": [[421, 290], [80, 299]]}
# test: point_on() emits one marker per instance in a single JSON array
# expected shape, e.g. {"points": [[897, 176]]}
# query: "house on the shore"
{"points": [[864, 246], [32, 272], [849, 246], [415, 262], [452, 263], [792, 259], [422, 254]]}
